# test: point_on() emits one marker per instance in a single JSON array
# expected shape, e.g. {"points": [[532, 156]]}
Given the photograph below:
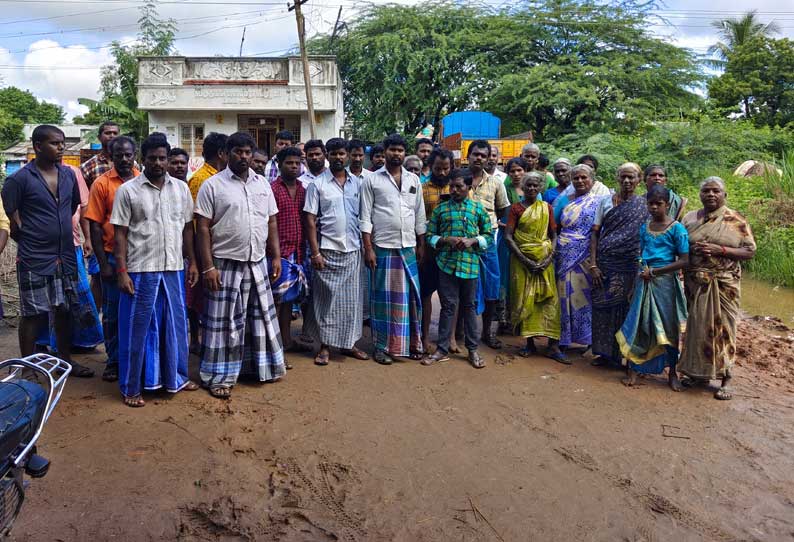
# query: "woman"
{"points": [[530, 235], [720, 239], [656, 174], [614, 247], [561, 169], [649, 337], [572, 262], [515, 168]]}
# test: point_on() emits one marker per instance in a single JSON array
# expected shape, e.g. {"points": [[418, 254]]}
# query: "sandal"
{"points": [[111, 373], [382, 358], [437, 357], [321, 359], [416, 356], [355, 353], [190, 386], [220, 392], [476, 361], [135, 401], [81, 371], [559, 357], [528, 351], [723, 394], [492, 342]]}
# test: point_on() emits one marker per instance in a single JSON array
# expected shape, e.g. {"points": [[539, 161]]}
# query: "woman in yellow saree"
{"points": [[720, 239], [534, 302]]}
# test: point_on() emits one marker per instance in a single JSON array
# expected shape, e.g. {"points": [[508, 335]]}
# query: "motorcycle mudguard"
{"points": [[22, 405]]}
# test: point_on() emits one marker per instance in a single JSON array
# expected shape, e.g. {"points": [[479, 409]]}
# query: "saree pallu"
{"points": [[713, 294], [241, 334], [534, 303], [87, 327], [573, 277], [616, 257], [649, 337], [395, 302], [153, 334], [337, 312]]}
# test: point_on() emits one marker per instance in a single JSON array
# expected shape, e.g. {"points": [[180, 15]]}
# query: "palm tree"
{"points": [[737, 32]]}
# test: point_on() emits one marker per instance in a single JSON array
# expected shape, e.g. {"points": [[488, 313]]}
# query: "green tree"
{"points": [[23, 105], [118, 87], [758, 82], [10, 129], [736, 32]]}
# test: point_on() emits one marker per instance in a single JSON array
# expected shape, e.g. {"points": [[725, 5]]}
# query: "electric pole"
{"points": [[296, 5]]}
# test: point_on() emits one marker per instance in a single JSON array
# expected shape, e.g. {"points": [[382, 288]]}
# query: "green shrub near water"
{"points": [[692, 151]]}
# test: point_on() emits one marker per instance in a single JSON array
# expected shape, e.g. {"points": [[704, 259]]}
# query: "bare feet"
{"points": [[453, 347], [724, 393], [190, 386], [672, 379], [631, 378]]}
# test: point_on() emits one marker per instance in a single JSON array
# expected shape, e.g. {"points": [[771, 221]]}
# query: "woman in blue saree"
{"points": [[650, 335], [572, 260], [614, 249]]}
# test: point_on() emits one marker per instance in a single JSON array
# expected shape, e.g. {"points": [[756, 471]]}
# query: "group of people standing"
{"points": [[221, 263]]}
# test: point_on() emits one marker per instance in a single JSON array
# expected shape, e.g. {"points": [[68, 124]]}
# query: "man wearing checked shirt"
{"points": [[459, 230]]}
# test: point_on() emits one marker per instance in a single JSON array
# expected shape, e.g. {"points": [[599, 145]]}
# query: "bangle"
{"points": [[313, 256], [208, 270], [724, 252], [121, 270]]}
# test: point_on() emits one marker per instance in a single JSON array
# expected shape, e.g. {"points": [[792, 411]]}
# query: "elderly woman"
{"points": [[656, 174], [572, 262], [531, 155], [530, 236], [614, 249], [720, 239], [561, 169]]}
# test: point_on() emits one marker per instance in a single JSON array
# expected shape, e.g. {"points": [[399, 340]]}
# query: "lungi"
{"points": [[395, 302], [291, 286], [337, 309], [87, 327], [153, 334], [241, 333], [110, 314]]}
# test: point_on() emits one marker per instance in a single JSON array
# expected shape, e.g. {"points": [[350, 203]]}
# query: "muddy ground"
{"points": [[525, 449]]}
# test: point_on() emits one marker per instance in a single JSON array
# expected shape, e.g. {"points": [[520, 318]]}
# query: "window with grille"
{"points": [[191, 138]]}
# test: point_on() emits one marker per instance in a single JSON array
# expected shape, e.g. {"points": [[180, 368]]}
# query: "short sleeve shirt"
{"points": [[100, 205], [239, 212], [95, 167], [432, 193], [45, 235], [197, 179], [337, 211], [491, 194], [156, 218]]}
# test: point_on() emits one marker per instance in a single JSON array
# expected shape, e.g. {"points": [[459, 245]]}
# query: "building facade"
{"points": [[188, 97]]}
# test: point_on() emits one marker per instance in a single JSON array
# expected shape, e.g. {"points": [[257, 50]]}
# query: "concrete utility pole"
{"points": [[305, 60]]}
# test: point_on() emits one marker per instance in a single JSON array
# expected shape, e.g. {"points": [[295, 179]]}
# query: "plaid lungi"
{"points": [[153, 334], [41, 294], [395, 302], [87, 330], [241, 333], [337, 311]]}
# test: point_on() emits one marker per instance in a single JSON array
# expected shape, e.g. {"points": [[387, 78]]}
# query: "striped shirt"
{"points": [[155, 218], [466, 219]]}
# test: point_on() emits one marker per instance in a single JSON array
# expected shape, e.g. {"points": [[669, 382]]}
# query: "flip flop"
{"points": [[220, 392], [135, 401], [559, 357], [723, 394], [321, 359], [190, 386], [111, 373], [416, 356], [81, 371], [382, 358], [355, 353]]}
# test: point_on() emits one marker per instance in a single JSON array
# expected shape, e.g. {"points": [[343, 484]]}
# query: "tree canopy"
{"points": [[735, 32], [19, 107], [551, 66]]}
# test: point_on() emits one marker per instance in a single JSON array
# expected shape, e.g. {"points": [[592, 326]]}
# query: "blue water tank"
{"points": [[472, 125]]}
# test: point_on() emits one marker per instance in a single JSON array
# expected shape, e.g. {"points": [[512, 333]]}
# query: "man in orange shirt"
{"points": [[100, 207]]}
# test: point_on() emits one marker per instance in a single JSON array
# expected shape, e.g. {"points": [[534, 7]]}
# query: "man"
{"points": [[92, 169], [214, 152], [423, 149], [241, 333], [153, 226], [284, 139], [315, 161], [332, 228], [98, 214], [259, 161], [433, 191], [40, 199], [393, 226], [178, 163], [531, 155], [377, 158], [492, 195], [561, 170], [291, 287], [492, 163], [355, 151], [460, 230], [413, 164]]}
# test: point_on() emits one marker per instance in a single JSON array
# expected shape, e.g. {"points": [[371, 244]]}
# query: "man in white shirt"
{"points": [[236, 214], [393, 226], [316, 162]]}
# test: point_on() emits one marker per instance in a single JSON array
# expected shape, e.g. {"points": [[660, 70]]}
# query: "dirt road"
{"points": [[525, 449]]}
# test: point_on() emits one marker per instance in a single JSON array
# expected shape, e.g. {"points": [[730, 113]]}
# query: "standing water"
{"points": [[760, 298]]}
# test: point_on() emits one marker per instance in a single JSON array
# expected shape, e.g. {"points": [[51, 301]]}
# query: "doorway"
{"points": [[263, 128]]}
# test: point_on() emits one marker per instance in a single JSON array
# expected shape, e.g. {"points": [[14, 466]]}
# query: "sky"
{"points": [[55, 48]]}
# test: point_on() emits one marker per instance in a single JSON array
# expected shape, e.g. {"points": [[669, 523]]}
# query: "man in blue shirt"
{"points": [[40, 199]]}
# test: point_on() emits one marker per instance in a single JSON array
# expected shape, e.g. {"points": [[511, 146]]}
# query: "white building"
{"points": [[187, 98]]}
